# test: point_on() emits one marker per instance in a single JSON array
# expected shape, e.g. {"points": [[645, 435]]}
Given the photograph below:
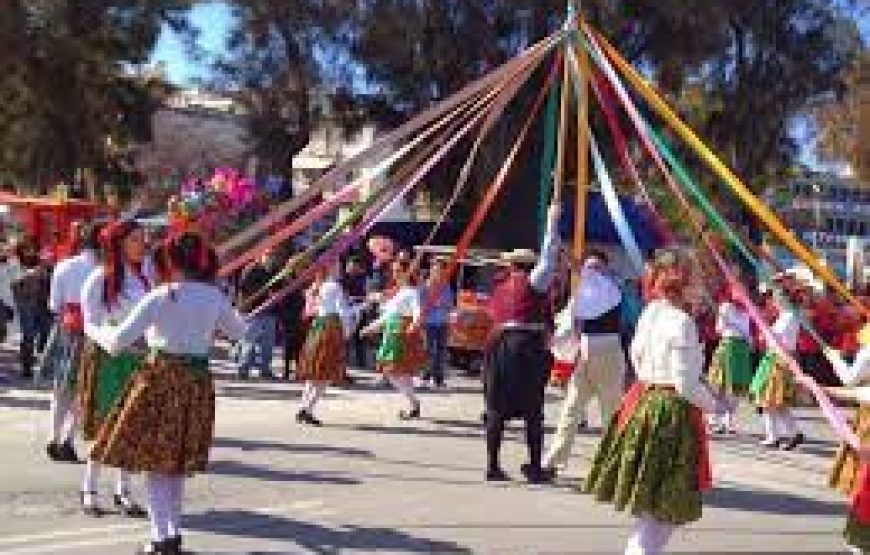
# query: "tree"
{"points": [[69, 98]]}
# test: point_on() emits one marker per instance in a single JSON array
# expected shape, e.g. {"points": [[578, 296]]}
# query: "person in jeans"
{"points": [[259, 343], [30, 290], [437, 322]]}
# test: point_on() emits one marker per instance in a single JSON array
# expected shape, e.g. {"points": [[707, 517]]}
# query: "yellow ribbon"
{"points": [[714, 163]]}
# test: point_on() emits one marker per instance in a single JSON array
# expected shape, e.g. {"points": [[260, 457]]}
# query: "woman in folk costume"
{"points": [[323, 359], [653, 459], [851, 470], [402, 353], [108, 296], [518, 361], [63, 358], [731, 368], [773, 385], [164, 423]]}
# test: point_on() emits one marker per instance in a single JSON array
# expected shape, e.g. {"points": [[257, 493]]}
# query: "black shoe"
{"points": [[412, 414], [68, 453], [305, 417], [793, 443], [155, 547], [497, 475], [173, 546], [53, 452], [128, 507], [537, 475], [91, 510]]}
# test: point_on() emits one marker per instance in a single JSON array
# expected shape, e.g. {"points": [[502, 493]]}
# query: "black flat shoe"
{"points": [[53, 452], [305, 417], [793, 443], [412, 414], [91, 510], [67, 454], [154, 548], [128, 507], [537, 475], [497, 475], [173, 546]]}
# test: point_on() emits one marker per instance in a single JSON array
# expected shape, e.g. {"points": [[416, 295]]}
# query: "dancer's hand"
{"points": [[805, 380]]}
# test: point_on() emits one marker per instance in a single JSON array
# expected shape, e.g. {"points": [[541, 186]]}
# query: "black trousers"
{"points": [[495, 423]]}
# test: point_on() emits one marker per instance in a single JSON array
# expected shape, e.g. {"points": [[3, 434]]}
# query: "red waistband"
{"points": [[71, 318]]}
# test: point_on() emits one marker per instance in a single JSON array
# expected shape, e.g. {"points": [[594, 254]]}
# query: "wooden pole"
{"points": [[581, 203]]}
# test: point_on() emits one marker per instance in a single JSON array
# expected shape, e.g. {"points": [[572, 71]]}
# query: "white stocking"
{"points": [[90, 481], [313, 392], [649, 537], [159, 487], [770, 427], [176, 502], [405, 386]]}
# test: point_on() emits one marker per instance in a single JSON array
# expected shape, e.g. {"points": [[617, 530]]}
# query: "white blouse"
{"points": [[405, 303], [182, 319], [96, 314], [733, 322], [667, 351], [332, 300], [858, 372], [786, 330]]}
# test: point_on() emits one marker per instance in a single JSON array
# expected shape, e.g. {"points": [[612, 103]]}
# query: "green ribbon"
{"points": [[548, 157]]}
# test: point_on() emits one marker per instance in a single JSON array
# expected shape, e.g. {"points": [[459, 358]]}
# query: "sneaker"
{"points": [[67, 453]]}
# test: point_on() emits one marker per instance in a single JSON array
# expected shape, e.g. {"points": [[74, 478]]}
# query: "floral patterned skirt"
{"points": [[101, 382], [851, 477], [773, 386], [165, 420], [731, 367], [323, 357], [651, 459], [402, 352]]}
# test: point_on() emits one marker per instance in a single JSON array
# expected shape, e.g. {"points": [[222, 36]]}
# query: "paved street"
{"points": [[369, 483]]}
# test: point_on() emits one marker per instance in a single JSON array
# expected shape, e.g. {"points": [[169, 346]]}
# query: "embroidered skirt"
{"points": [[773, 386], [653, 458], [516, 371], [851, 477], [101, 383], [402, 352], [731, 367], [165, 420], [323, 357]]}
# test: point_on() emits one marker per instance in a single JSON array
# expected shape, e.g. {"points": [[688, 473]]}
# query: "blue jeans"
{"points": [[35, 324], [436, 343], [258, 346]]}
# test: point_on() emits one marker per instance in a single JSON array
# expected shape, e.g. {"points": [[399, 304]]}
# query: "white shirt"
{"points": [[858, 372], [786, 330], [732, 321], [182, 319], [331, 300], [405, 303], [96, 314], [68, 280], [667, 351]]}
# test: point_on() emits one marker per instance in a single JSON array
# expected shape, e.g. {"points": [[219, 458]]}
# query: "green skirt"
{"points": [[773, 386], [114, 374], [731, 367], [650, 466], [857, 534]]}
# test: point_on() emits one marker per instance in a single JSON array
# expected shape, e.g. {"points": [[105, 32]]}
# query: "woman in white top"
{"points": [[652, 461], [107, 297], [731, 365], [164, 423], [323, 359], [402, 353], [773, 386]]}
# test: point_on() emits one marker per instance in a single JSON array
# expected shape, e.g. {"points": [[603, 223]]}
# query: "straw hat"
{"points": [[519, 256]]}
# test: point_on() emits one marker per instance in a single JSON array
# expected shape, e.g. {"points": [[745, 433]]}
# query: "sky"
{"points": [[213, 20]]}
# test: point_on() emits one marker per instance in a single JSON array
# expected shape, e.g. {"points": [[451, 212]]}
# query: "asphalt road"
{"points": [[369, 483]]}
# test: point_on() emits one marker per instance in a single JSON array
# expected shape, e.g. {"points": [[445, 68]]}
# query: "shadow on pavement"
{"points": [[253, 392], [244, 470], [314, 537], [258, 445], [730, 497], [28, 404]]}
